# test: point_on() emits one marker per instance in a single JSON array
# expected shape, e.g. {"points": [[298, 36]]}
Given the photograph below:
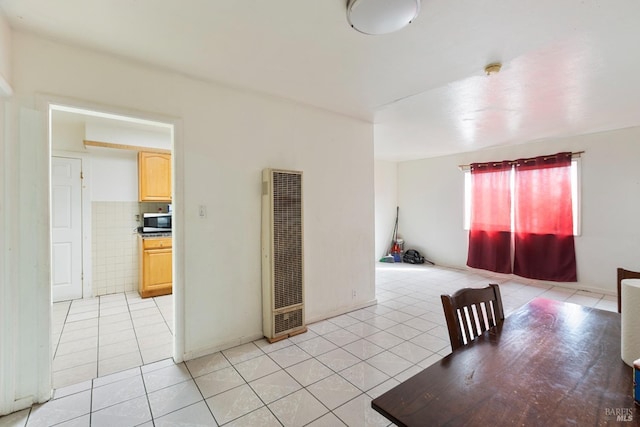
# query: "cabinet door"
{"points": [[157, 273], [154, 176]]}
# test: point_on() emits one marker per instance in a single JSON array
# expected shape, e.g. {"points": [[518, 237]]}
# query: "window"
{"points": [[522, 216], [575, 196]]}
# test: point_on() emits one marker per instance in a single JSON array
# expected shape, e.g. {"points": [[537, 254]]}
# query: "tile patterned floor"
{"points": [[98, 336], [325, 377]]}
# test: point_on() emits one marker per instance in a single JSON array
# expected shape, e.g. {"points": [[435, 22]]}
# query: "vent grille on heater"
{"points": [[283, 312], [288, 320], [287, 239]]}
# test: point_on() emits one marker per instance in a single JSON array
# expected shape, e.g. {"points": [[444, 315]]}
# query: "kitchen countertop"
{"points": [[154, 235]]}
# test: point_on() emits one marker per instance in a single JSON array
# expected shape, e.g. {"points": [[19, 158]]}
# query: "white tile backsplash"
{"points": [[115, 247]]}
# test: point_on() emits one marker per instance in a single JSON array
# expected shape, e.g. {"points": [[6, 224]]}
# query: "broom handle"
{"points": [[395, 233], [395, 230]]}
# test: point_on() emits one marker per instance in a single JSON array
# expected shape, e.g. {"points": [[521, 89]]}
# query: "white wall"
{"points": [[25, 308], [67, 136], [386, 196], [5, 57], [118, 133], [431, 198], [227, 137], [7, 316], [114, 175], [10, 393]]}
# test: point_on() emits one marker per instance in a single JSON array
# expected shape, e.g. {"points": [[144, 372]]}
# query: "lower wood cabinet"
{"points": [[156, 273]]}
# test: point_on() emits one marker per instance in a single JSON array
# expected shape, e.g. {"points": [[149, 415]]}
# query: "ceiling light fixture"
{"points": [[381, 16], [493, 68]]}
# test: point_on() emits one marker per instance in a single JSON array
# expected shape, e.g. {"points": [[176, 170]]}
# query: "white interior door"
{"points": [[66, 228]]}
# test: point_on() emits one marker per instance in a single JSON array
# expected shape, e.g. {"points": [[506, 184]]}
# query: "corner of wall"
{"points": [[386, 201], [5, 58]]}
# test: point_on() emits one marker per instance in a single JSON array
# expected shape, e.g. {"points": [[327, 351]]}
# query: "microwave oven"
{"points": [[156, 222]]}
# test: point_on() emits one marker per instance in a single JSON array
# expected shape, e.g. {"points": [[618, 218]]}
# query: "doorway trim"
{"points": [[45, 103]]}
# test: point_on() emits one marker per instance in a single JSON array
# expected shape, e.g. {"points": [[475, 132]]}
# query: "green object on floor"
{"points": [[387, 258]]}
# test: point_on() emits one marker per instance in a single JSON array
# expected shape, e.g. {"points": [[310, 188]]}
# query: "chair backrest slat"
{"points": [[481, 319], [471, 311]]}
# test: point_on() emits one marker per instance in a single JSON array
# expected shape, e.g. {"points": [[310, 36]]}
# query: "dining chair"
{"points": [[624, 274], [471, 311]]}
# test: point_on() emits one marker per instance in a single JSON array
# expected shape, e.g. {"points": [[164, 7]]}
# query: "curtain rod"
{"points": [[575, 154]]}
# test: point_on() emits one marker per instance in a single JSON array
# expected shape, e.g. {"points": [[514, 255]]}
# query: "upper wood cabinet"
{"points": [[154, 177]]}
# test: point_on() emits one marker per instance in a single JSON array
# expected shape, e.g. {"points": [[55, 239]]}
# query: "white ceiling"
{"points": [[569, 67]]}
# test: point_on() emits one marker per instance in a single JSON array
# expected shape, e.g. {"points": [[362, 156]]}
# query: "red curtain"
{"points": [[543, 245], [490, 233]]}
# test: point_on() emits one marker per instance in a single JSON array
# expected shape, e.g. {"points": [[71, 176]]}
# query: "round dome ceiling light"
{"points": [[381, 16]]}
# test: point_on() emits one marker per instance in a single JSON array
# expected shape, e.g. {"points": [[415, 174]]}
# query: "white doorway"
{"points": [[66, 228], [105, 327]]}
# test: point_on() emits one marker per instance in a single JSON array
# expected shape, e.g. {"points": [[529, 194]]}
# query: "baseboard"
{"points": [[18, 405], [341, 311], [577, 286], [189, 355]]}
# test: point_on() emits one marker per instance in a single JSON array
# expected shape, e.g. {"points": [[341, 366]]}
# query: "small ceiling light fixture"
{"points": [[381, 16], [493, 68]]}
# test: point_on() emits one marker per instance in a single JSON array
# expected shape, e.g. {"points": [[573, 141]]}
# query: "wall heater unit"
{"points": [[282, 254]]}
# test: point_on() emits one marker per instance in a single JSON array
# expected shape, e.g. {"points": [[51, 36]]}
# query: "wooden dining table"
{"points": [[550, 363]]}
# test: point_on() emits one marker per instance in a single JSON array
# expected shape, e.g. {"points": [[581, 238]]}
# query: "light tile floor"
{"points": [[325, 377], [98, 336]]}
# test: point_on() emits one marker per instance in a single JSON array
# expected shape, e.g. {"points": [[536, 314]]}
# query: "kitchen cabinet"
{"points": [[154, 176], [156, 271]]}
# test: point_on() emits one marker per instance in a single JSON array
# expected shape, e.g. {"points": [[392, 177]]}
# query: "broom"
{"points": [[394, 248]]}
